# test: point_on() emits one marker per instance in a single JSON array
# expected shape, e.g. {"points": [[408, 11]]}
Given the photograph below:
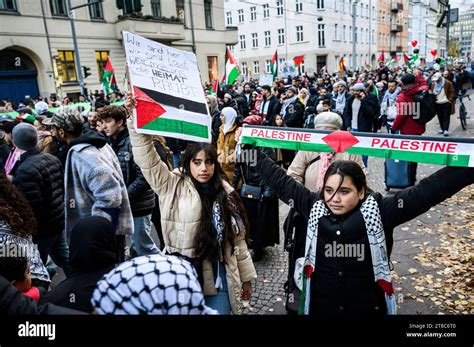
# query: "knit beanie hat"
{"points": [[408, 78], [328, 120], [25, 136]]}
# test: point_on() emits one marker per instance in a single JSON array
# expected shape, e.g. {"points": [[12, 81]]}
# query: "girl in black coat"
{"points": [[343, 274], [92, 255]]}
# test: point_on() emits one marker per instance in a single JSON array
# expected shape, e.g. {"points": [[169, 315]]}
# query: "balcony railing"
{"points": [[396, 6], [395, 28]]}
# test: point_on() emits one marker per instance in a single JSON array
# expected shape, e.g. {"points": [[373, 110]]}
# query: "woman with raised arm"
{"points": [[202, 217], [345, 268]]}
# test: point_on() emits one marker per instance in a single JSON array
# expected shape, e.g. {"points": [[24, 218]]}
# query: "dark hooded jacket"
{"points": [[13, 303], [40, 178], [142, 197], [92, 254]]}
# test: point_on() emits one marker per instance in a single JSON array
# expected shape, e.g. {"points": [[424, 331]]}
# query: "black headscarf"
{"points": [[92, 245]]}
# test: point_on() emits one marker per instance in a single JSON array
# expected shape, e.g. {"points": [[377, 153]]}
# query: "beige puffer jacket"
{"points": [[308, 175], [180, 207]]}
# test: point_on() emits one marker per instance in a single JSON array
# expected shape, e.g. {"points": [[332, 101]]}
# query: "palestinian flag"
{"points": [[170, 115], [382, 57], [341, 67], [232, 70], [298, 60], [108, 79], [419, 149], [274, 65]]}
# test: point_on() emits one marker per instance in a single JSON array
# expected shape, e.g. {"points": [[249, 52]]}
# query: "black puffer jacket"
{"points": [[345, 286], [142, 197], [13, 303], [369, 110], [294, 117], [40, 177]]}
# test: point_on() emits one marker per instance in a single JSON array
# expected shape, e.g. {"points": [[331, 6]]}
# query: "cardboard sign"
{"points": [[167, 86]]}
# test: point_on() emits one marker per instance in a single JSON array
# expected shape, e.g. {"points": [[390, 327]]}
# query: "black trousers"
{"points": [[443, 111], [121, 243]]}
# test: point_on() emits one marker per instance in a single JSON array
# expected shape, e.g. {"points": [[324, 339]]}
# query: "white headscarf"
{"points": [[230, 115]]}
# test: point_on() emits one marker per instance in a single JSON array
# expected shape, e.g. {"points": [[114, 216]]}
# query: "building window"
{"points": [[256, 67], [96, 11], [299, 33], [268, 66], [373, 36], [279, 6], [367, 38], [367, 11], [268, 40], [212, 68], [344, 33], [231, 48], [244, 67], [320, 4], [373, 12], [351, 34], [58, 8], [180, 9], [208, 13], [101, 59], [361, 10], [241, 16], [156, 8], [242, 42], [228, 16], [321, 36], [336, 35], [299, 6], [253, 13], [68, 66], [281, 64], [281, 36], [266, 11], [254, 40], [8, 5]]}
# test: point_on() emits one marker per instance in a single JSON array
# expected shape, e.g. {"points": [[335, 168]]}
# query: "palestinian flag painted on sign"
{"points": [[167, 114]]}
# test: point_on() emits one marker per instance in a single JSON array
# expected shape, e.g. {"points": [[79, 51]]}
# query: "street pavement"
{"points": [[410, 239]]}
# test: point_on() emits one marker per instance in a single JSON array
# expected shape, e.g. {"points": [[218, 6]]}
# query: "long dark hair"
{"points": [[205, 242], [347, 168], [15, 210]]}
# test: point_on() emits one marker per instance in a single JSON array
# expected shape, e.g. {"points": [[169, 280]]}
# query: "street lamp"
{"points": [[70, 10], [354, 13]]}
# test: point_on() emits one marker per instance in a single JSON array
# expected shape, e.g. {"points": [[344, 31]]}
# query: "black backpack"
{"points": [[426, 102]]}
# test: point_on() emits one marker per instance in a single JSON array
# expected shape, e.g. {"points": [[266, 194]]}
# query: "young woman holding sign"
{"points": [[202, 218], [346, 215]]}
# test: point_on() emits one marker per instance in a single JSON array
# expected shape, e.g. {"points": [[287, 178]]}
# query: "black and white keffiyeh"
{"points": [[152, 284], [378, 249]]}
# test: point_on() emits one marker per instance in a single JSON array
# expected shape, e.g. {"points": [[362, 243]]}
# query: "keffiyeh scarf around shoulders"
{"points": [[378, 249]]}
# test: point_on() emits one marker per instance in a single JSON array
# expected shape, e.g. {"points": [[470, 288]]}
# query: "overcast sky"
{"points": [[461, 4]]}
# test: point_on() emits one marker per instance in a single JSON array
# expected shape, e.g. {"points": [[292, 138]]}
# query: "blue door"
{"points": [[17, 85]]}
